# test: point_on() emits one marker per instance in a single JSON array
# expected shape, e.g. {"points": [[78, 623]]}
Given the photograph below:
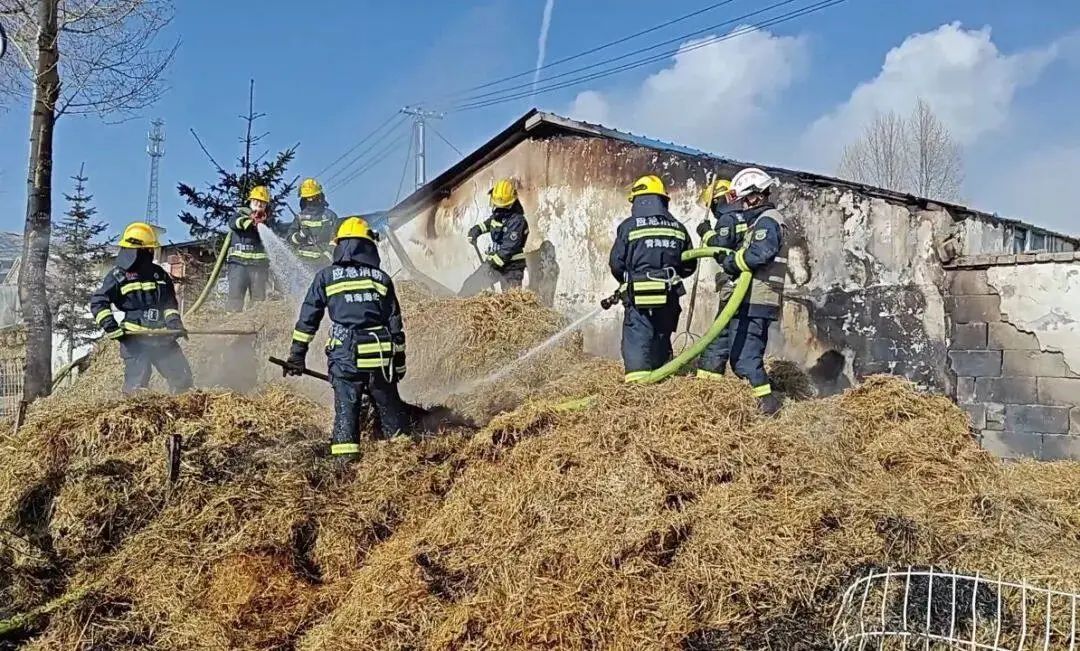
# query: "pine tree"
{"points": [[213, 209], [76, 251]]}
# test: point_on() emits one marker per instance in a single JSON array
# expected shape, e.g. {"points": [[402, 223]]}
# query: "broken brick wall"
{"points": [[1015, 351]]}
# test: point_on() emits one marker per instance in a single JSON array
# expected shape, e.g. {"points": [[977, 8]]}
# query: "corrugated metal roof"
{"points": [[536, 123]]}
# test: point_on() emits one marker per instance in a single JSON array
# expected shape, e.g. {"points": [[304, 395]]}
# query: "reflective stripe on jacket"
{"points": [[764, 253]]}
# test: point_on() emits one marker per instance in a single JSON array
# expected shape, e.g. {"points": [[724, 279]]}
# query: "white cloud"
{"points": [[961, 74], [706, 94]]}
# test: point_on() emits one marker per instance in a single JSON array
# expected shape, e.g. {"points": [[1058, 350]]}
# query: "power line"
{"points": [[349, 166], [594, 50], [448, 143], [404, 169], [805, 11], [360, 143], [678, 39], [379, 157]]}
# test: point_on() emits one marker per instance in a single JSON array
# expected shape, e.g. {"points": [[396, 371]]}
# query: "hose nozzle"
{"points": [[606, 303]]}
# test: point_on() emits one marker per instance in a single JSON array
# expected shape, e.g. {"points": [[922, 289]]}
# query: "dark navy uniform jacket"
{"points": [[140, 289], [509, 230], [647, 254], [362, 304], [729, 229]]}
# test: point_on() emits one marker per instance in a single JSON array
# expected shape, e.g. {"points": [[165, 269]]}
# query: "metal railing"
{"points": [[929, 608]]}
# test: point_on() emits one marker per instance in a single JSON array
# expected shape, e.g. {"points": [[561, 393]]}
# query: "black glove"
{"points": [[703, 227], [178, 325], [399, 365], [474, 233], [294, 365], [729, 266]]}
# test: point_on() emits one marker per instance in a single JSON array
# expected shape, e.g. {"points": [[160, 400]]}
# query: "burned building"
{"points": [[873, 278]]}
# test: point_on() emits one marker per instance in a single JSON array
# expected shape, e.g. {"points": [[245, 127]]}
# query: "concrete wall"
{"points": [[1015, 351], [866, 291]]}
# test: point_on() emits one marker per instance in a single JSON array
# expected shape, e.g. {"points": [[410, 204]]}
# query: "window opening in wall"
{"points": [[1019, 240], [1037, 241]]}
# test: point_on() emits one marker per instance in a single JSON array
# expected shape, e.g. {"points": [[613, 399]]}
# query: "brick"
{"points": [[968, 336], [1025, 258], [973, 309], [1037, 418], [995, 416], [1060, 448], [1012, 445], [979, 363], [1044, 257], [965, 390], [1065, 256], [1059, 391], [1074, 420], [977, 414], [1006, 390], [966, 282], [1033, 363], [1005, 336], [1004, 259]]}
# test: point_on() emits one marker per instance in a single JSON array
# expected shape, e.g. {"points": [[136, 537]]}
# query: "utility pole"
{"points": [[155, 147], [420, 138]]}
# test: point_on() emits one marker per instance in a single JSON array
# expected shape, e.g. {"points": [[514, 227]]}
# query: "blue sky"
{"points": [[1004, 75]]}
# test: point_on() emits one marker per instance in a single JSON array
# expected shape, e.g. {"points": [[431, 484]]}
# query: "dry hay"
{"points": [[455, 343], [677, 516], [653, 517], [249, 548]]}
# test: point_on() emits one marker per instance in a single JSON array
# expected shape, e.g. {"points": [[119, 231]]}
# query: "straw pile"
{"points": [[661, 517]]}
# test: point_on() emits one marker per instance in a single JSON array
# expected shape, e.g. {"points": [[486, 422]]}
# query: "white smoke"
{"points": [[541, 43]]}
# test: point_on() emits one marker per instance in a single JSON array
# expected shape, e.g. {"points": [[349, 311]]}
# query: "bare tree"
{"points": [[102, 51], [878, 157], [916, 155], [936, 165]]}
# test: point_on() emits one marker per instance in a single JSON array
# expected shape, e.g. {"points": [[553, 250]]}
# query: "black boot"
{"points": [[769, 404]]}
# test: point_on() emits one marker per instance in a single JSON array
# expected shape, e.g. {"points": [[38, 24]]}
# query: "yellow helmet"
{"points": [[650, 184], [139, 235], [310, 188], [714, 191], [260, 192], [354, 226], [503, 194]]}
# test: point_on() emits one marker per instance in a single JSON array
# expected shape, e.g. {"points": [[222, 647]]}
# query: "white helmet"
{"points": [[749, 181]]}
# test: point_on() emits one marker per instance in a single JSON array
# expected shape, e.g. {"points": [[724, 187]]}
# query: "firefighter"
{"points": [[726, 233], [144, 292], [762, 251], [505, 261], [646, 260], [313, 229], [249, 265], [366, 349]]}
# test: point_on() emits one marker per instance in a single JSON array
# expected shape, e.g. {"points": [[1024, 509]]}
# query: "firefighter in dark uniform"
{"points": [[249, 265], [762, 251], [312, 232], [366, 348], [646, 259], [144, 292], [508, 228], [726, 233]]}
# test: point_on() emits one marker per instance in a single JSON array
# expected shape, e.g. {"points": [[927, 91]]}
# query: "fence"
{"points": [[11, 384], [928, 608]]}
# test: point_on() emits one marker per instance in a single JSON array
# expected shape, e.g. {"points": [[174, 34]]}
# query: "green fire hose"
{"points": [[222, 254]]}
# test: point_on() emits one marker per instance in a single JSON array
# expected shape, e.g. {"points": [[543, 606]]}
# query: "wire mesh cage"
{"points": [[11, 384], [931, 608]]}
